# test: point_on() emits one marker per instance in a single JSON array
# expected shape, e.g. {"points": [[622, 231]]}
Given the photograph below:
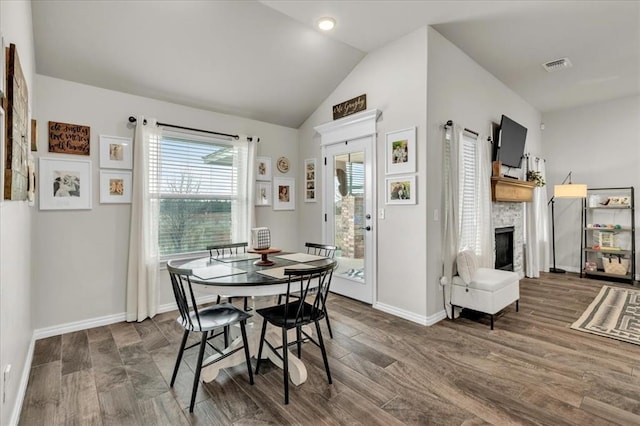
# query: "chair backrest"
{"points": [[228, 248], [301, 281], [321, 249], [183, 293]]}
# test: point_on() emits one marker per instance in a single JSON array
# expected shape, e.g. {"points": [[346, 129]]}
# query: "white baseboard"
{"points": [[24, 381], [69, 327], [420, 319]]}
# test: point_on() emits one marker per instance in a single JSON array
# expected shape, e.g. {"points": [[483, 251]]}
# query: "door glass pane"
{"points": [[349, 214]]}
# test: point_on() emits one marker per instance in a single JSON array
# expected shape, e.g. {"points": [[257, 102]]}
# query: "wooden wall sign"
{"points": [[17, 126], [69, 138], [349, 107]]}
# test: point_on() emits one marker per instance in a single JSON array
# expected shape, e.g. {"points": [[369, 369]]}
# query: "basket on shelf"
{"points": [[616, 265]]}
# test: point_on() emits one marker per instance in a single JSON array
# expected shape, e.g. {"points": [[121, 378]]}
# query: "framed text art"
{"points": [[310, 180], [116, 152], [401, 151], [115, 186], [67, 138], [284, 193], [263, 168], [65, 184], [401, 189], [263, 194]]}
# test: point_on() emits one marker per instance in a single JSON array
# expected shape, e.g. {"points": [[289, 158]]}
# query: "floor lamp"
{"points": [[564, 190]]}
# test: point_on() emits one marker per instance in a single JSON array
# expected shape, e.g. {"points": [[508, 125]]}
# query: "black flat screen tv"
{"points": [[511, 142]]}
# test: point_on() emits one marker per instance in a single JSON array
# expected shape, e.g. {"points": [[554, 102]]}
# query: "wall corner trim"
{"points": [[24, 381], [420, 319]]}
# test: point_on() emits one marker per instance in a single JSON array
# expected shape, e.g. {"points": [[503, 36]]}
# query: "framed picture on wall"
{"points": [[400, 147], [115, 186], [263, 194], [401, 189], [310, 180], [263, 168], [284, 193], [65, 184], [116, 152]]}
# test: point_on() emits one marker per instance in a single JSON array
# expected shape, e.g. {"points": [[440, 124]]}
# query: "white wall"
{"points": [[394, 80], [600, 144], [80, 257], [462, 91], [15, 234]]}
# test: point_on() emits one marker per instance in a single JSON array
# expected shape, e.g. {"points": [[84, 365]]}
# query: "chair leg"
{"points": [[246, 305], [245, 343], [280, 299], [492, 321], [226, 336], [324, 352], [299, 341], [218, 300], [179, 360], [517, 305], [326, 318], [285, 365], [196, 379], [264, 330]]}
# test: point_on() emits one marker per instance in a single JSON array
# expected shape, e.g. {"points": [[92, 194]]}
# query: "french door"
{"points": [[349, 206]]}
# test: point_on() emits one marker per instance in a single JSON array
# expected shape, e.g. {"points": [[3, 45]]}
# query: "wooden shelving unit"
{"points": [[611, 212]]}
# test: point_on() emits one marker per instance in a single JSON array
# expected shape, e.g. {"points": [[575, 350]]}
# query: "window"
{"points": [[203, 193], [475, 229], [468, 201]]}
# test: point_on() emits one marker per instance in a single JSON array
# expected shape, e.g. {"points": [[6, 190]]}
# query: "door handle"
{"points": [[366, 228]]}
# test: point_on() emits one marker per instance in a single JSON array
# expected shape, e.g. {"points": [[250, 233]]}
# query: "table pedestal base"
{"points": [[264, 261], [297, 370]]}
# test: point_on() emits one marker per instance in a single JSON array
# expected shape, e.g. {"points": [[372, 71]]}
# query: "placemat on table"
{"points": [[216, 271], [279, 272], [301, 257]]}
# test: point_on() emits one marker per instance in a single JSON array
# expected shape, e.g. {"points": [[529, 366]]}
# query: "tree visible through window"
{"points": [[198, 187]]}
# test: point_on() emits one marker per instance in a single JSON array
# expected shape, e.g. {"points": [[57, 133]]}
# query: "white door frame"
{"points": [[356, 126]]}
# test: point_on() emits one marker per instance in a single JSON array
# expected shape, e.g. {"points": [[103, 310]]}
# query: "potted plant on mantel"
{"points": [[534, 176]]}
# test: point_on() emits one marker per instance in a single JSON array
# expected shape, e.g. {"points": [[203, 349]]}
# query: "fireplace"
{"points": [[504, 248]]}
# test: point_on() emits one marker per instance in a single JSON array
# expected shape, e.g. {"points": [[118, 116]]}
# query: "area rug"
{"points": [[614, 313]]}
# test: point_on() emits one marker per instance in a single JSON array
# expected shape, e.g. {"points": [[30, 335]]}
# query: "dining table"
{"points": [[241, 275]]}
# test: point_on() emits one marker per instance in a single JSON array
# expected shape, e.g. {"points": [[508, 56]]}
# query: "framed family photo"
{"points": [[401, 151], [310, 180], [263, 194], [284, 193], [401, 190], [115, 186], [116, 152], [65, 184], [263, 168]]}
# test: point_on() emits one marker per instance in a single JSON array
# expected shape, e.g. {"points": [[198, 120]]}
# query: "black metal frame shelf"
{"points": [[588, 236]]}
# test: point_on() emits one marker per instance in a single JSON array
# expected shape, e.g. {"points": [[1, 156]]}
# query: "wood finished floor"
{"points": [[532, 369]]}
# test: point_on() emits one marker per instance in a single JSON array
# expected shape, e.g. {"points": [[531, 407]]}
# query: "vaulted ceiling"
{"points": [[265, 60]]}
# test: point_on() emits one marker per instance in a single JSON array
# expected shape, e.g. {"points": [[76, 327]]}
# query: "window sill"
{"points": [[185, 257]]}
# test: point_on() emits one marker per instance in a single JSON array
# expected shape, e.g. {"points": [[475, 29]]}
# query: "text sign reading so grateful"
{"points": [[350, 107], [69, 138]]}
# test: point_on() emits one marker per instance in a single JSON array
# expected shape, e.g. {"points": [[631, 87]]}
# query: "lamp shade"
{"points": [[571, 190]]}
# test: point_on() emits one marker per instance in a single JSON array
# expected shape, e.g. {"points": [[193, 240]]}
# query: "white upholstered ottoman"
{"points": [[483, 289]]}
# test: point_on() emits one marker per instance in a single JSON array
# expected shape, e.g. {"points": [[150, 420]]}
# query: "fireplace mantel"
{"points": [[511, 190]]}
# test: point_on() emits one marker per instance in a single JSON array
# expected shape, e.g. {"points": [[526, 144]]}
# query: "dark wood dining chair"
{"points": [[206, 321], [318, 250], [296, 312], [229, 249]]}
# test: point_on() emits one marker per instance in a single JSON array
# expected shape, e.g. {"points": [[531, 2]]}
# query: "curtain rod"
{"points": [[132, 119], [449, 123]]}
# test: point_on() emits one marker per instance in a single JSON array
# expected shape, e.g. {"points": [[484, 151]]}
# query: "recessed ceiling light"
{"points": [[326, 23]]}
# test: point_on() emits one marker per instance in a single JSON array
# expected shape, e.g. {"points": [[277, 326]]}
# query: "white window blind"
{"points": [[200, 182], [468, 230]]}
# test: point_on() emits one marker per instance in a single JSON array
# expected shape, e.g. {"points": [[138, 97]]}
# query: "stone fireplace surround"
{"points": [[505, 214]]}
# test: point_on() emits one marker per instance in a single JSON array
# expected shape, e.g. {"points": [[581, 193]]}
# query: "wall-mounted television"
{"points": [[511, 142]]}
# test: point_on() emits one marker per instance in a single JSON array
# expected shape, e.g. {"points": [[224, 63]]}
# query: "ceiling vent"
{"points": [[557, 64]]}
